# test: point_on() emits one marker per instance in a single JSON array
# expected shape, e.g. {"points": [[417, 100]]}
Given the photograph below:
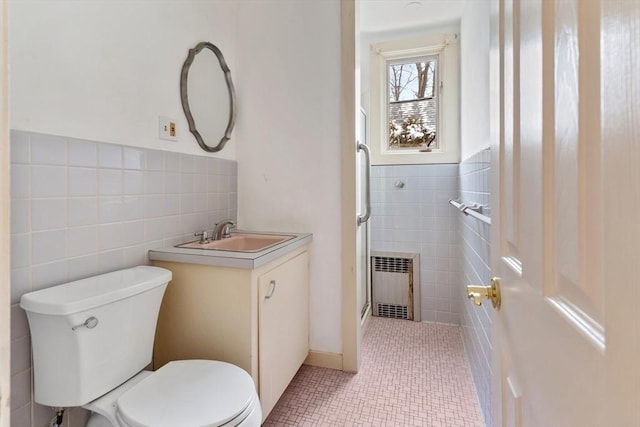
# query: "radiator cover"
{"points": [[395, 285]]}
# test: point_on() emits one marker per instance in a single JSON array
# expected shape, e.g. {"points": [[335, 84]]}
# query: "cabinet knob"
{"points": [[272, 291]]}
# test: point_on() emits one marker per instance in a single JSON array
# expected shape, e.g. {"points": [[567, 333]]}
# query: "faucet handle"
{"points": [[204, 236]]}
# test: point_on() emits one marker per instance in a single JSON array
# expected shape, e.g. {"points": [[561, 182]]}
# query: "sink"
{"points": [[245, 249], [240, 242]]}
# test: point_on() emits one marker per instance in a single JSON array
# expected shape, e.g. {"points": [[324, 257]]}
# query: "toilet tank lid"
{"points": [[84, 294]]}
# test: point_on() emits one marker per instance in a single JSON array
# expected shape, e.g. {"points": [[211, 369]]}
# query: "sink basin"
{"points": [[240, 242]]}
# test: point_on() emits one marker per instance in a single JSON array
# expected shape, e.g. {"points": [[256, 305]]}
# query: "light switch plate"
{"points": [[167, 129]]}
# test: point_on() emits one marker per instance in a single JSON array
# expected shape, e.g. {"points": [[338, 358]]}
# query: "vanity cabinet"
{"points": [[257, 319]]}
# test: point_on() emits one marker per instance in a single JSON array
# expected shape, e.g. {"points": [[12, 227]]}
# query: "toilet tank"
{"points": [[91, 335]]}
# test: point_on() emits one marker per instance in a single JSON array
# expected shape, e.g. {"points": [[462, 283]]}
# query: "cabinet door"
{"points": [[283, 327]]}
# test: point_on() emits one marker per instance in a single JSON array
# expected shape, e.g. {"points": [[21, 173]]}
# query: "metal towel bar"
{"points": [[473, 210]]}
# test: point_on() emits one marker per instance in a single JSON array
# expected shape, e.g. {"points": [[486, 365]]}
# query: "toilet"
{"points": [[92, 340]]}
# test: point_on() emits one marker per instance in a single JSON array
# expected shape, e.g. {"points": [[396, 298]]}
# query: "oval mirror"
{"points": [[208, 96]]}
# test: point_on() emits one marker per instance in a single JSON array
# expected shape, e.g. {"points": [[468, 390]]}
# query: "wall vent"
{"points": [[392, 265], [393, 293], [392, 311]]}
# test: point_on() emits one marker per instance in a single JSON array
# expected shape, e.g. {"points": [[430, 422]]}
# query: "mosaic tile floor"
{"points": [[411, 374]]}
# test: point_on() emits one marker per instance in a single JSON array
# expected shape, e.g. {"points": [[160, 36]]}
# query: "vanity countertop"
{"points": [[235, 259]]}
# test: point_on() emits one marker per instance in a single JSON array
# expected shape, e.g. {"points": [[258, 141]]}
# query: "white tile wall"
{"points": [[81, 208], [418, 218], [475, 186]]}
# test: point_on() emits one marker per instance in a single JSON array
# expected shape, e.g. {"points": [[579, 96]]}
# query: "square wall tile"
{"points": [[135, 255], [48, 149], [48, 246], [154, 229], [20, 283], [133, 181], [82, 267], [187, 163], [172, 182], [133, 207], [20, 181], [109, 236], [172, 204], [19, 147], [83, 181], [110, 209], [20, 216], [19, 323], [133, 233], [154, 206], [110, 261], [20, 355], [82, 153], [21, 416], [48, 181], [110, 181], [154, 160], [82, 211], [199, 164], [110, 156], [20, 389], [133, 158], [186, 183], [82, 241], [154, 182], [172, 162], [48, 214], [20, 250], [50, 274]]}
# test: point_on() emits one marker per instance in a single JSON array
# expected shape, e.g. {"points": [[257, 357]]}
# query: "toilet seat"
{"points": [[189, 393]]}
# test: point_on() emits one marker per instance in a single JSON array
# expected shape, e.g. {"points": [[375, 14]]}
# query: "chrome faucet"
{"points": [[222, 229]]}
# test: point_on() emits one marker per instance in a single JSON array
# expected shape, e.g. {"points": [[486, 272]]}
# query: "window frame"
{"points": [[448, 115]]}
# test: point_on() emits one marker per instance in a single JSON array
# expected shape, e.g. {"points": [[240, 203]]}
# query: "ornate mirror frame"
{"points": [[184, 96]]}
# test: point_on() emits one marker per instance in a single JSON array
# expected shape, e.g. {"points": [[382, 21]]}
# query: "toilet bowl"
{"points": [[92, 339], [186, 392]]}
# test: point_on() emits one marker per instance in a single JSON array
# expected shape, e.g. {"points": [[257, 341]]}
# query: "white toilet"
{"points": [[92, 339]]}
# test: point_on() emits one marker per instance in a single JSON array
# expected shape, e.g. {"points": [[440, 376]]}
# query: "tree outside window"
{"points": [[413, 103]]}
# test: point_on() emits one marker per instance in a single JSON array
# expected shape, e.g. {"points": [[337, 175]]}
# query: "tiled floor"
{"points": [[412, 374]]}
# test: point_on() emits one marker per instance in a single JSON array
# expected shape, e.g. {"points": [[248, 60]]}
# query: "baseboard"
{"points": [[324, 360]]}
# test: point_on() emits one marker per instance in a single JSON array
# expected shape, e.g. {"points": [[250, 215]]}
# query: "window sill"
{"points": [[414, 157]]}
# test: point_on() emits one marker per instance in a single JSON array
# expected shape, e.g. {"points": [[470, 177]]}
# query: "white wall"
{"points": [[105, 70], [288, 62], [474, 77]]}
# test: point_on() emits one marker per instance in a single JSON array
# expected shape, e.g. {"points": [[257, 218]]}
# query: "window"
{"points": [[414, 101]]}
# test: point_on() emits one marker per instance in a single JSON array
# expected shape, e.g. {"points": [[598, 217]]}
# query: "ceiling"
{"points": [[387, 15]]}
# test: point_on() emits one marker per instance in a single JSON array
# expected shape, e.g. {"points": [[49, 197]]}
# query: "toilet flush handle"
{"points": [[90, 323]]}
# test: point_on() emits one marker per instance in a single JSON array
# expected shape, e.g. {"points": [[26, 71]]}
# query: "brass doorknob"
{"points": [[492, 292]]}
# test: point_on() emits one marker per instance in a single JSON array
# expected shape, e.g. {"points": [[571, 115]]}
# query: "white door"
{"points": [[566, 222]]}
